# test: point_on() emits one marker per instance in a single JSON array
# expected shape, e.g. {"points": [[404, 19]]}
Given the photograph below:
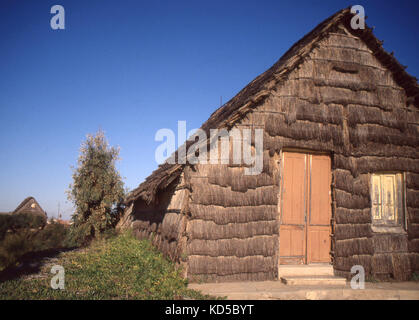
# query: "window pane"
{"points": [[376, 197], [387, 200], [388, 184]]}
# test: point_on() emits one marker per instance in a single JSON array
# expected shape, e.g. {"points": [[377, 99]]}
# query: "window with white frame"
{"points": [[387, 199]]}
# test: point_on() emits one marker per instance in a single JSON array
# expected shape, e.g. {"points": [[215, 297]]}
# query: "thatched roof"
{"points": [[26, 207], [261, 87]]}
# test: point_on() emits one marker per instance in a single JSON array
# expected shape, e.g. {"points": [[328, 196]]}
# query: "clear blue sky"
{"points": [[133, 67]]}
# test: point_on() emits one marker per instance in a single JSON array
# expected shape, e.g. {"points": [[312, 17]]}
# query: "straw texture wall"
{"points": [[335, 91], [342, 100], [233, 228]]}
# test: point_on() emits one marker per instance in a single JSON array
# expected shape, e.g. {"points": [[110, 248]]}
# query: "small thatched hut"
{"points": [[29, 206], [340, 179]]}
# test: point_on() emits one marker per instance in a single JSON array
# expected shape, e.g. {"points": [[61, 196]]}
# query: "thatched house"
{"points": [[28, 206], [340, 179]]}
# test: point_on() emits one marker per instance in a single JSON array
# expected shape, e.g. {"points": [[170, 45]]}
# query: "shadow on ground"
{"points": [[30, 263]]}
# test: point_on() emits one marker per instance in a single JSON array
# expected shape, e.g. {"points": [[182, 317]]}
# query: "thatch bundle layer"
{"points": [[383, 150], [401, 266], [207, 194], [275, 144], [413, 215], [201, 229], [223, 215], [412, 180], [230, 265], [352, 216], [343, 180], [396, 119], [395, 265], [351, 201], [350, 231], [345, 96], [385, 243], [225, 176], [254, 246], [365, 133], [172, 225], [355, 246], [413, 231], [367, 164], [333, 49], [414, 260], [245, 276], [305, 130], [412, 198], [344, 264], [350, 72]]}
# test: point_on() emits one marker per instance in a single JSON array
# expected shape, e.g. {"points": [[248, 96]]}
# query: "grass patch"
{"points": [[121, 267]]}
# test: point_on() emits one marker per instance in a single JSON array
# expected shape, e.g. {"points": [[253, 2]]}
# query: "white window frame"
{"points": [[388, 215]]}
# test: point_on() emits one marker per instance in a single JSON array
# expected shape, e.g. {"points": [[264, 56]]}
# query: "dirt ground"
{"points": [[275, 290]]}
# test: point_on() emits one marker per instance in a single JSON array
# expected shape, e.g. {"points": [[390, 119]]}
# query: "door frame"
{"points": [[307, 202]]}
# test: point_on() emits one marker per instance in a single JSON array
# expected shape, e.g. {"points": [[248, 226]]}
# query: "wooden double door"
{"points": [[305, 208]]}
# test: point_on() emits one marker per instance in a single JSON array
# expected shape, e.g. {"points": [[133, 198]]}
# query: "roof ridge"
{"points": [[23, 203]]}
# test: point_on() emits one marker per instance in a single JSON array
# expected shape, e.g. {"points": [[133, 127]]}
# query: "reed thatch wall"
{"points": [[232, 230], [335, 91]]}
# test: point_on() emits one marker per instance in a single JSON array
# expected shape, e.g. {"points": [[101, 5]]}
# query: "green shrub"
{"points": [[15, 222], [53, 236], [78, 236], [97, 190], [28, 220], [6, 222], [16, 244]]}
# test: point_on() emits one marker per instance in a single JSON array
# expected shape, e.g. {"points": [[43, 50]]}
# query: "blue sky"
{"points": [[134, 67]]}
